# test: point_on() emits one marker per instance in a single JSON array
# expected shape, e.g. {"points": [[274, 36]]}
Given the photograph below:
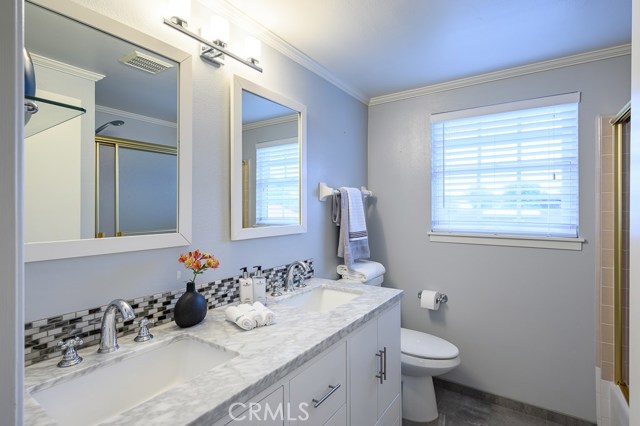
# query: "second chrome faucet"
{"points": [[291, 270], [108, 331]]}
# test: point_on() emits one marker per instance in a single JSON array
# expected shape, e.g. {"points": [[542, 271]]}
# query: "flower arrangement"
{"points": [[198, 262]]}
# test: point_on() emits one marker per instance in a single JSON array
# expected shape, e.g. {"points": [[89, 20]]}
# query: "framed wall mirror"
{"points": [[117, 178], [268, 163]]}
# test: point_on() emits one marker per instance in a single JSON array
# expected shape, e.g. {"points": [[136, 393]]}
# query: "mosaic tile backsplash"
{"points": [[42, 336]]}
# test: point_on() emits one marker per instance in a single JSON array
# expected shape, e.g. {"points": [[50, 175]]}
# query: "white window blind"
{"points": [[278, 183], [509, 169]]}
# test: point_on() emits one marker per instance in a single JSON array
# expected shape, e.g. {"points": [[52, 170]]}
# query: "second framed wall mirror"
{"points": [[268, 163]]}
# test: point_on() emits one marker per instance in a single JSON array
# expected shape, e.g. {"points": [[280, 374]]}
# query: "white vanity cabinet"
{"points": [[354, 382], [374, 374], [315, 394]]}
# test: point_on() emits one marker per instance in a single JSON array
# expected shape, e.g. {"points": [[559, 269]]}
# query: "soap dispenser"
{"points": [[259, 286], [246, 287]]}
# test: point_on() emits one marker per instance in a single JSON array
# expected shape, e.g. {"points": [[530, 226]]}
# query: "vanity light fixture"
{"points": [[181, 11], [253, 49], [214, 41]]}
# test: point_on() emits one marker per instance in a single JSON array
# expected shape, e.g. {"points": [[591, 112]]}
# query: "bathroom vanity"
{"points": [[331, 358]]}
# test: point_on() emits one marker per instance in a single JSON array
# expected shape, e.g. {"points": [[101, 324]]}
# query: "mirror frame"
{"points": [[237, 231], [90, 247]]}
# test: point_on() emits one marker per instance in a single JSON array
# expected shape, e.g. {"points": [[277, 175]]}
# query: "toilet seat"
{"points": [[426, 346]]}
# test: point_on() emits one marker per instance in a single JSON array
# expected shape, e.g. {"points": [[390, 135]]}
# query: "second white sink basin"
{"points": [[92, 397], [320, 299]]}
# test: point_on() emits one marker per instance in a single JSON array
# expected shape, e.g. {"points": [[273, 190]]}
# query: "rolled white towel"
{"points": [[267, 315], [253, 313], [362, 270], [236, 316]]}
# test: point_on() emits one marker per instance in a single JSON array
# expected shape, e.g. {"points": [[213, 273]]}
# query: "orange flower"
{"points": [[198, 262]]}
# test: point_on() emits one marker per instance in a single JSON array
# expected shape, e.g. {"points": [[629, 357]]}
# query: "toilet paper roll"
{"points": [[430, 299]]}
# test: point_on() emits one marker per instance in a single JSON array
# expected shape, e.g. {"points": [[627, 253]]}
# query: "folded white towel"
{"points": [[376, 282], [252, 313], [362, 270], [267, 315], [236, 316]]}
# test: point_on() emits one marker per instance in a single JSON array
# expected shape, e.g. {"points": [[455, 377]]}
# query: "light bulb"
{"points": [[219, 29], [180, 11], [253, 49]]}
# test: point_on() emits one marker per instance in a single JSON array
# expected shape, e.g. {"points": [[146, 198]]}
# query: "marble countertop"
{"points": [[265, 355]]}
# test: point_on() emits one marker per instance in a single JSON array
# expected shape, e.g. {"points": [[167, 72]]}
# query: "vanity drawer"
{"points": [[339, 418], [324, 381], [268, 411]]}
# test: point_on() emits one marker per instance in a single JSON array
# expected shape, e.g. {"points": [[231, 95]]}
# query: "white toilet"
{"points": [[423, 356]]}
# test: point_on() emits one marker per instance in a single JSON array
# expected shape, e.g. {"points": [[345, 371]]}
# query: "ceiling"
{"points": [[379, 47]]}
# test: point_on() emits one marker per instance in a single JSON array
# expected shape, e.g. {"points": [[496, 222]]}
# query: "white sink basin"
{"points": [[93, 397], [320, 299]]}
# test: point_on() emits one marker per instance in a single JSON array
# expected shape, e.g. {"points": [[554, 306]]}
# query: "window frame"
{"points": [[505, 239]]}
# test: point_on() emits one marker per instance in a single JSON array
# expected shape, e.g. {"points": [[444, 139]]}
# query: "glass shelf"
{"points": [[50, 113]]}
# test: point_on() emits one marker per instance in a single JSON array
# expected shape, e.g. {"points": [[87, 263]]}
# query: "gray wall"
{"points": [[523, 319], [337, 152]]}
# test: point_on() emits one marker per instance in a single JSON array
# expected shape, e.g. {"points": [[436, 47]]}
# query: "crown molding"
{"points": [[270, 122], [65, 68], [239, 18], [132, 116], [581, 58]]}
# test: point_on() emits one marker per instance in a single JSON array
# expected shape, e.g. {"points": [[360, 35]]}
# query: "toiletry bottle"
{"points": [[246, 287], [259, 286]]}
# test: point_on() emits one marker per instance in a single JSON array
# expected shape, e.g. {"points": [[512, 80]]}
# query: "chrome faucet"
{"points": [[108, 334], [291, 271]]}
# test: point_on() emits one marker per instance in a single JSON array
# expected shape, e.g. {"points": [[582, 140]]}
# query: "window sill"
{"points": [[508, 240]]}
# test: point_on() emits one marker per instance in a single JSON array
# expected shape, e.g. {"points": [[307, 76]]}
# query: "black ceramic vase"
{"points": [[191, 307]]}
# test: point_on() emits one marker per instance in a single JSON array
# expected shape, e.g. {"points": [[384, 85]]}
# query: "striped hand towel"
{"points": [[353, 242]]}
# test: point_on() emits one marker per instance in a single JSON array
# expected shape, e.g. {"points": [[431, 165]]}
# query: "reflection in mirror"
{"points": [[62, 189], [119, 169], [268, 162], [136, 188]]}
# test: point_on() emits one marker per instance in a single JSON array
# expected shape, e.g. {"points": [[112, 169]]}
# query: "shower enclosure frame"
{"points": [[618, 123]]}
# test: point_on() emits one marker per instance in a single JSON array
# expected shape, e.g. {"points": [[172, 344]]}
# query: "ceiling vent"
{"points": [[145, 62]]}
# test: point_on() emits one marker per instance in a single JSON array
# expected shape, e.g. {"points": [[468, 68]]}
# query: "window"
{"points": [[507, 170], [278, 183]]}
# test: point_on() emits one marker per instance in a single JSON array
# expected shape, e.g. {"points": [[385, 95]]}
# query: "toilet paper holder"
{"points": [[442, 298]]}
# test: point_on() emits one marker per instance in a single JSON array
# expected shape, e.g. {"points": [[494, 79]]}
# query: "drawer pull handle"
{"points": [[382, 374], [332, 389]]}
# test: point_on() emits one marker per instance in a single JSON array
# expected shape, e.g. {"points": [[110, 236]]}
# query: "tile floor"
{"points": [[462, 410]]}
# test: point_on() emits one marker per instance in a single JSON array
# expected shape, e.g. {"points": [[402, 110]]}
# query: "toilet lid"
{"points": [[423, 345]]}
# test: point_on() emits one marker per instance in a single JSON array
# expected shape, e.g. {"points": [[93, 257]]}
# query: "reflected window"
{"points": [[277, 183]]}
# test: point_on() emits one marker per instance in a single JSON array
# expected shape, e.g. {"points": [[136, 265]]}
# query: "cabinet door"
{"points": [[392, 416], [389, 338], [363, 367]]}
